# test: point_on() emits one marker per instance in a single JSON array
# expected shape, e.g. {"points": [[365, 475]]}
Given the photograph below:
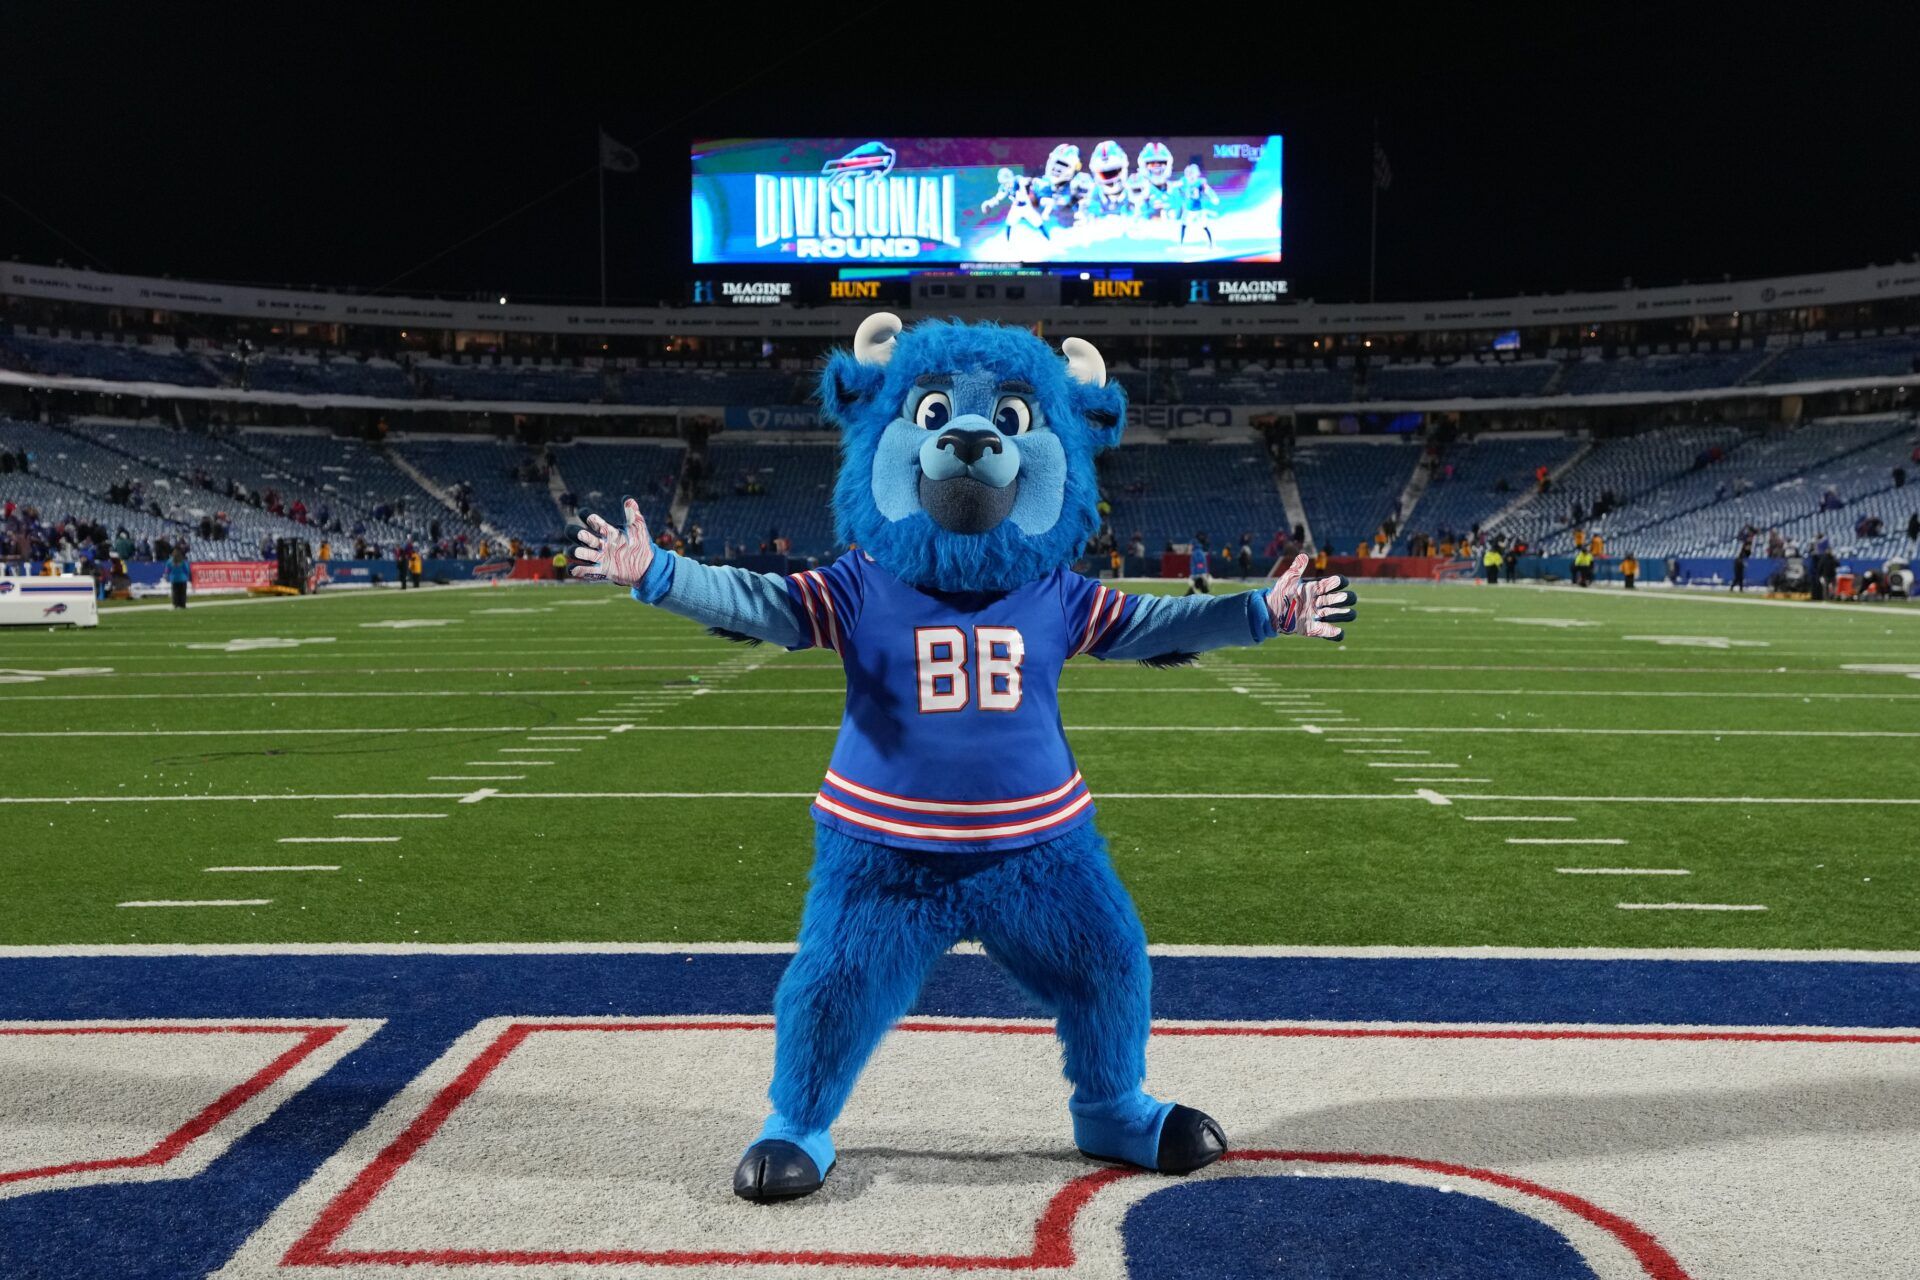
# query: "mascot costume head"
{"points": [[952, 808], [968, 450]]}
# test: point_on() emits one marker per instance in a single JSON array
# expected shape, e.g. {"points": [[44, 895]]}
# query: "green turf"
{"points": [[1209, 859]]}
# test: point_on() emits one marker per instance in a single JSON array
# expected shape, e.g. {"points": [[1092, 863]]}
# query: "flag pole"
{"points": [[1373, 221], [601, 147]]}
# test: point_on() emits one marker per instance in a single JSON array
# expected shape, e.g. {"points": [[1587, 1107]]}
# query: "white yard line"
{"points": [[200, 902], [1306, 725], [202, 602], [338, 840], [1569, 840], [507, 764], [1622, 871], [1712, 955], [1173, 796], [507, 751], [1442, 778], [477, 777], [224, 733], [310, 866], [1840, 800], [1517, 818], [1410, 764], [1688, 906], [1389, 751], [840, 691], [384, 816]]}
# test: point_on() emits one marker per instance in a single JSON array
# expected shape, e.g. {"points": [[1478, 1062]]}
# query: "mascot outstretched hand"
{"points": [[952, 808]]}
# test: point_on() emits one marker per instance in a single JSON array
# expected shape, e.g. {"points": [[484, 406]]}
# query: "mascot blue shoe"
{"points": [[952, 808]]}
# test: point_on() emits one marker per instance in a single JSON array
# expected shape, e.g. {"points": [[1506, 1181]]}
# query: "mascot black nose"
{"points": [[970, 446]]}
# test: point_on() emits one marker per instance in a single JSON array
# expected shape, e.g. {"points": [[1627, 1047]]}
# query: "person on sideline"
{"points": [[1491, 561], [179, 574], [1202, 574], [1629, 570]]}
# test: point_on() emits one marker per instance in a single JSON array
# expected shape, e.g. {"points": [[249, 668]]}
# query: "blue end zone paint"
{"points": [[1338, 1229], [170, 1231], [1212, 988]]}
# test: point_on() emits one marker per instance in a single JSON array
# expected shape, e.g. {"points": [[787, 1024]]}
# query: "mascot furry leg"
{"points": [[1053, 915], [967, 485]]}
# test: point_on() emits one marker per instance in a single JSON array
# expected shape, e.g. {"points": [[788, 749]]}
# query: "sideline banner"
{"points": [[1427, 568], [232, 575]]}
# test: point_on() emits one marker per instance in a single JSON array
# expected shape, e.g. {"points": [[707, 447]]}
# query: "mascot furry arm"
{"points": [[952, 808]]}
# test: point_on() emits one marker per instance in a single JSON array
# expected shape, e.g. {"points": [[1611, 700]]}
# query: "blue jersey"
{"points": [[1199, 560], [952, 738]]}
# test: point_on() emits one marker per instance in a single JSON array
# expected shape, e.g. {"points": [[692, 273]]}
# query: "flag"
{"points": [[1382, 171], [616, 156]]}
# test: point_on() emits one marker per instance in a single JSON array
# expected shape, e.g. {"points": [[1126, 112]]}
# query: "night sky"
{"points": [[359, 145]]}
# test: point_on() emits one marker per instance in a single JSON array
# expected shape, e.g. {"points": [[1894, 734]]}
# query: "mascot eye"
{"points": [[934, 412], [1012, 416]]}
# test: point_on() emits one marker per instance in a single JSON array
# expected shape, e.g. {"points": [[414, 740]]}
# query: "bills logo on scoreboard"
{"points": [[856, 208]]}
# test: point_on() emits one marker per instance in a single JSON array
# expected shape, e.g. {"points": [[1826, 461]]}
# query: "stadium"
{"points": [[372, 906]]}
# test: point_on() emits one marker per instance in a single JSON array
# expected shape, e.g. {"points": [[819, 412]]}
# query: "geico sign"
{"points": [[1165, 417]]}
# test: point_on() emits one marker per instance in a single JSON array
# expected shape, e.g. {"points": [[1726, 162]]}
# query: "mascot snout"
{"points": [[969, 476]]}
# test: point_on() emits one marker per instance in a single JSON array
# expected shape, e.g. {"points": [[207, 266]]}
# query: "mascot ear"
{"points": [[852, 378], [1102, 404]]}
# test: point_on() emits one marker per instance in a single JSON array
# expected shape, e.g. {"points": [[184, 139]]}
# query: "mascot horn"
{"points": [[952, 808]]}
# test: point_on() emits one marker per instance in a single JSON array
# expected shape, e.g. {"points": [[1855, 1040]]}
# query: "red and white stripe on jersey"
{"points": [[822, 617], [952, 821], [1102, 614]]}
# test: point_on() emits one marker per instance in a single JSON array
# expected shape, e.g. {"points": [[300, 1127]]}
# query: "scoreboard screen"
{"points": [[1165, 201]]}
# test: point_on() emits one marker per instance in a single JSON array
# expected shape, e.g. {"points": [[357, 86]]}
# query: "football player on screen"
{"points": [[1198, 200]]}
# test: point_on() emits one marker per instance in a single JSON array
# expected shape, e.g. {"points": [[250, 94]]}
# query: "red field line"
{"points": [[311, 1039]]}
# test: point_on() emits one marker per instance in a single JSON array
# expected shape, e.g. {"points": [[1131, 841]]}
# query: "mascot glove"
{"points": [[1303, 607], [606, 554]]}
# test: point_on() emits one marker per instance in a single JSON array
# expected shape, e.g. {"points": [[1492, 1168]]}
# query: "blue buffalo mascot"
{"points": [[952, 808]]}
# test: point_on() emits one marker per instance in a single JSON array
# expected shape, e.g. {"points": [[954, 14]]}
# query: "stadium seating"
{"points": [[1167, 493], [358, 482], [91, 456], [1768, 479], [1693, 371], [1461, 379], [796, 504], [1255, 384], [1350, 487], [508, 381], [70, 478], [491, 470], [1628, 467], [749, 386], [1469, 495], [340, 375], [1860, 358], [114, 361], [1789, 472], [601, 474]]}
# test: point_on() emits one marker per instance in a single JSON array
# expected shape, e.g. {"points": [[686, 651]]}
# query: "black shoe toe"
{"points": [[1190, 1140], [775, 1170]]}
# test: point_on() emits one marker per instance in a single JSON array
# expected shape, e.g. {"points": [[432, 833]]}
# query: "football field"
{"points": [[1531, 933], [1505, 766]]}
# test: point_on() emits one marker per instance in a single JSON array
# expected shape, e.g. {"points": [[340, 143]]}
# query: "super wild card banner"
{"points": [[949, 200]]}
